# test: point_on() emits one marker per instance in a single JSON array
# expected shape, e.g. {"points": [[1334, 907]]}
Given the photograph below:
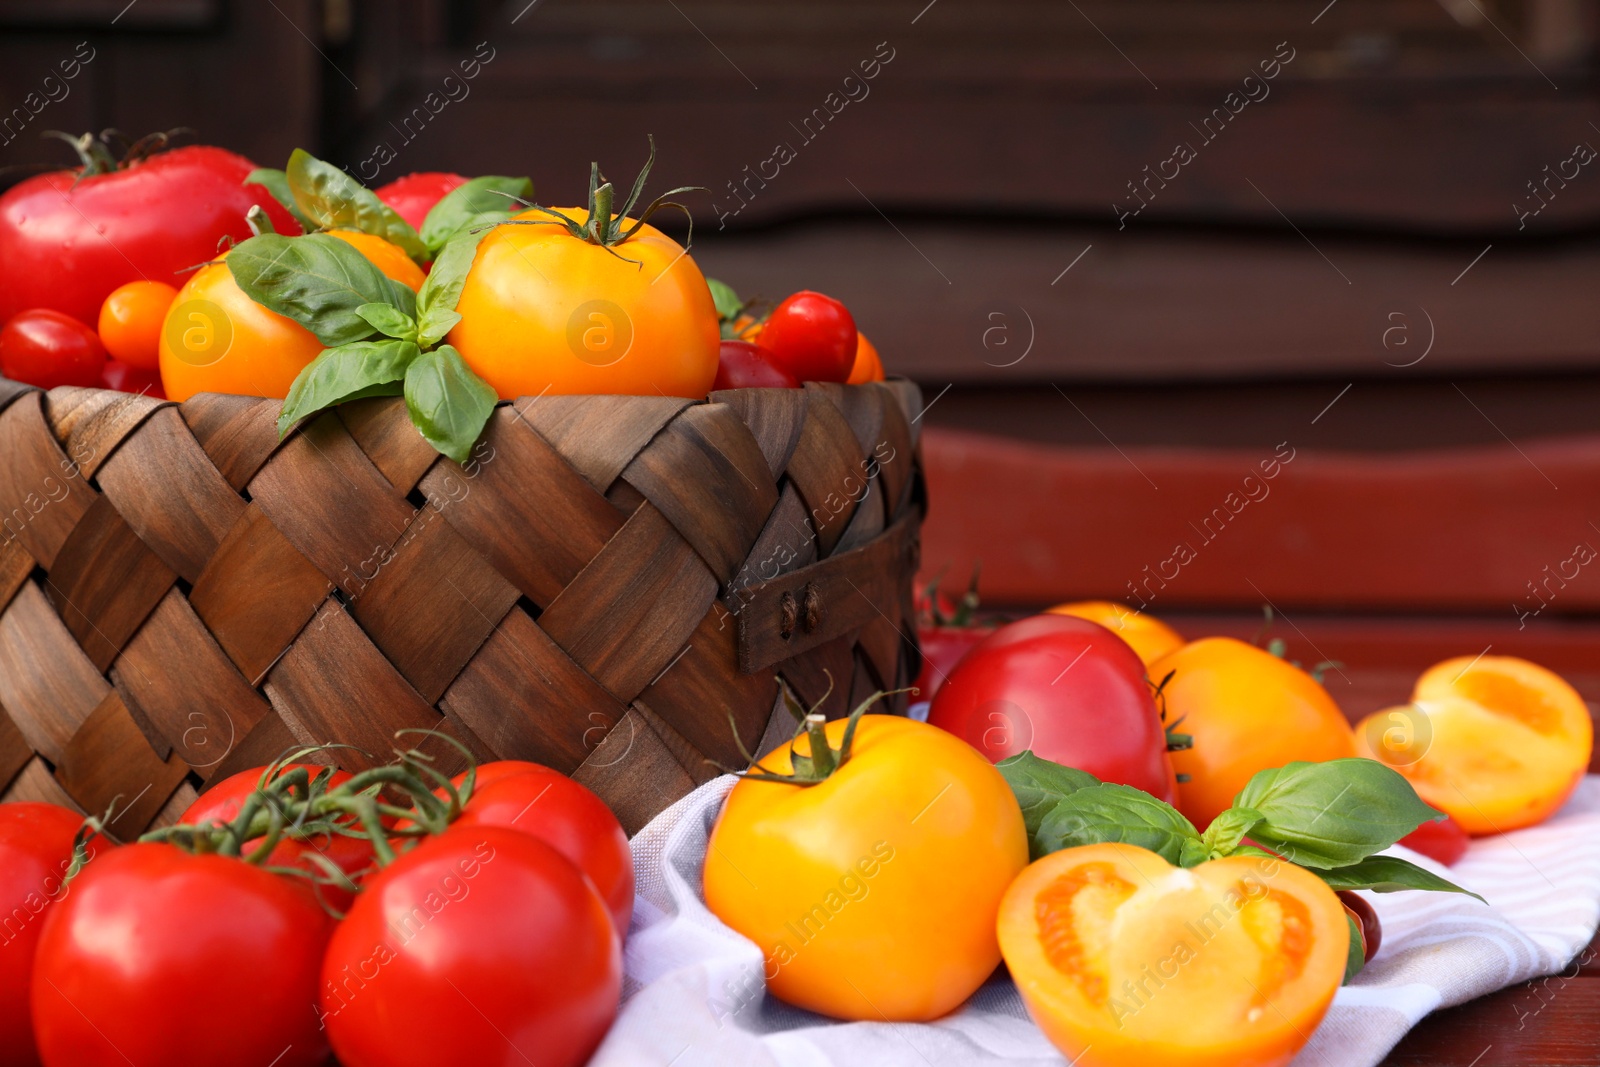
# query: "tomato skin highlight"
{"points": [[812, 336], [534, 799], [745, 365], [147, 928], [47, 348], [889, 873], [66, 242], [1066, 688], [481, 946], [414, 195], [35, 851]]}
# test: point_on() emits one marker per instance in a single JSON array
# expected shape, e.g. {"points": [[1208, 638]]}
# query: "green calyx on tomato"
{"points": [[824, 759], [1329, 818], [97, 157]]}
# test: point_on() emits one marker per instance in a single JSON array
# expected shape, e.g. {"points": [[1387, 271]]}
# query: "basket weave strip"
{"points": [[601, 587]]}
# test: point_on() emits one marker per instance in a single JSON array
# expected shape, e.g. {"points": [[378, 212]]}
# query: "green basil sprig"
{"points": [[333, 199], [317, 280], [478, 203]]}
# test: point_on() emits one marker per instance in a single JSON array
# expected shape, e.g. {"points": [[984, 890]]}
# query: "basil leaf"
{"points": [[316, 280], [1038, 784], [1108, 812], [436, 302], [1332, 814], [1228, 829], [1389, 874], [348, 372], [276, 182], [330, 197], [475, 203], [728, 303], [389, 321], [448, 403], [401, 296], [1357, 957]]}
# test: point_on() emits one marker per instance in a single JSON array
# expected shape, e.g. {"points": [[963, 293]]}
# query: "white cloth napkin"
{"points": [[693, 993]]}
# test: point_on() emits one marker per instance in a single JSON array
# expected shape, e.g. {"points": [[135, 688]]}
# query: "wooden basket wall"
{"points": [[598, 588]]}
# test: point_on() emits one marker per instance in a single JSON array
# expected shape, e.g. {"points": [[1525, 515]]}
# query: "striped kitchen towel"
{"points": [[693, 993]]}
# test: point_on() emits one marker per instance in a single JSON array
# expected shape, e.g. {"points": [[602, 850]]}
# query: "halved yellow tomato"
{"points": [[1125, 961]]}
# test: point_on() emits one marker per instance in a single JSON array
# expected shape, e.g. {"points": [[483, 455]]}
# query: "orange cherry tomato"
{"points": [[217, 340], [1247, 710], [1147, 635], [130, 322], [867, 367], [1495, 742], [1124, 960], [543, 311], [873, 894]]}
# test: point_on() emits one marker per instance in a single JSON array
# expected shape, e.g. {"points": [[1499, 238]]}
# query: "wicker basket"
{"points": [[599, 588]]}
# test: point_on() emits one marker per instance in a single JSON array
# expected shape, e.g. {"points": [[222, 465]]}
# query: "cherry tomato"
{"points": [[130, 322], [46, 348], [873, 894], [221, 802], [812, 336], [1366, 919], [745, 365], [942, 648], [1444, 840], [68, 238], [1124, 960], [125, 379], [1066, 688], [867, 367], [414, 195], [481, 945], [546, 804], [164, 959], [35, 851]]}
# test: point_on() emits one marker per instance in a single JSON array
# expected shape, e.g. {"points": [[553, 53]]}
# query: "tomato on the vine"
{"points": [[812, 336], [164, 958], [35, 853], [1066, 688], [481, 945], [414, 195], [746, 365], [47, 348]]}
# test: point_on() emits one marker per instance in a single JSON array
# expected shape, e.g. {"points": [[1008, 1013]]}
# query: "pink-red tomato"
{"points": [[1069, 690], [533, 799], [745, 365], [811, 336], [942, 648], [47, 348], [481, 946], [414, 195], [1444, 841], [161, 958], [125, 379], [35, 851]]}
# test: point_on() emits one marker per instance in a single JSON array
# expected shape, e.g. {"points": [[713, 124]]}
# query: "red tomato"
{"points": [[745, 365], [481, 945], [35, 851], [546, 804], [1357, 907], [811, 336], [46, 348], [221, 803], [1070, 690], [67, 240], [413, 196], [1444, 841], [125, 379], [165, 959], [942, 648]]}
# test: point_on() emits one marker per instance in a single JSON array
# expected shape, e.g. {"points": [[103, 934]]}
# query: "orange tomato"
{"points": [[1124, 960], [130, 322], [867, 367], [1495, 742], [873, 894], [1145, 634], [543, 311], [215, 339], [1247, 710]]}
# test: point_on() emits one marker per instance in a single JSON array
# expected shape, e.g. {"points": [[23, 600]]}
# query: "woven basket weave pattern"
{"points": [[599, 587]]}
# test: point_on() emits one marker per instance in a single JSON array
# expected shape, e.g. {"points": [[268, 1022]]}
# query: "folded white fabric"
{"points": [[693, 994]]}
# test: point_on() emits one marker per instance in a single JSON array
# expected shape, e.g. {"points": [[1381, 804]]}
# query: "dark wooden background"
{"points": [[1353, 264]]}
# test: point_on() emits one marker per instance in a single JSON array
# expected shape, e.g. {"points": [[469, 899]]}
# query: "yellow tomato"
{"points": [[543, 311], [130, 322], [1247, 710], [1495, 742], [387, 257], [872, 895], [1145, 634], [868, 367], [1125, 961]]}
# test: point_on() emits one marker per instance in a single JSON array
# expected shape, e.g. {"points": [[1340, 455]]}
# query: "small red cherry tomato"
{"points": [[1444, 841], [811, 336], [1357, 907], [745, 365], [125, 379], [46, 348]]}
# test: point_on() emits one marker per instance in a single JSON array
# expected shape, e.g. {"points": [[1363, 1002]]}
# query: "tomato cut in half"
{"points": [[1123, 959]]}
